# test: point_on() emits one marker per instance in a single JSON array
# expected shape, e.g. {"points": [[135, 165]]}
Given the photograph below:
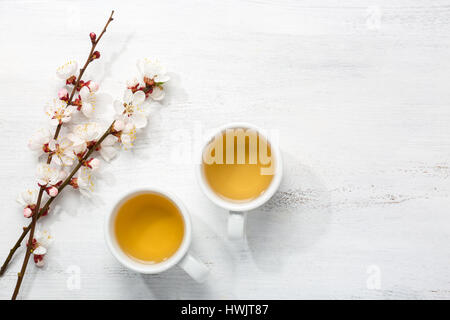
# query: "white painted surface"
{"points": [[363, 111]]}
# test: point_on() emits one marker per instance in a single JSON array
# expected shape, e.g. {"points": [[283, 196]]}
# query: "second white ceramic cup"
{"points": [[238, 210], [196, 269]]}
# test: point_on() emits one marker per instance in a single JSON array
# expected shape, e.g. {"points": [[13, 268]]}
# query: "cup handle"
{"points": [[194, 267], [236, 225]]}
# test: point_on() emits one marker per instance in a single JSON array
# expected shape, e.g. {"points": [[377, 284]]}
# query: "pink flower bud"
{"points": [[93, 36], [52, 191], [118, 125], [93, 86], [63, 94], [27, 212], [96, 55]]}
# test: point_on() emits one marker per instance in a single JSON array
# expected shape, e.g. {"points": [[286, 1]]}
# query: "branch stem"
{"points": [[38, 213], [45, 208], [29, 248]]}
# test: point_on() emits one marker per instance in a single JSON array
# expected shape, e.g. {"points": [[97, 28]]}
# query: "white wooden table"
{"points": [[360, 94]]}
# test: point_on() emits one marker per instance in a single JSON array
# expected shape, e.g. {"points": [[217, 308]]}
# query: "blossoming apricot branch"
{"points": [[59, 113], [76, 147]]}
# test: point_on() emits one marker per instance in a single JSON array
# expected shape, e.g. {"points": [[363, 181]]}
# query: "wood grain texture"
{"points": [[358, 91]]}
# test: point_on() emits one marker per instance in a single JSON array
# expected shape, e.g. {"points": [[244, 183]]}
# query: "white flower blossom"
{"points": [[131, 116], [153, 69], [128, 135], [28, 197], [43, 238], [107, 150], [28, 200], [84, 181], [42, 241], [59, 112], [70, 68], [40, 139], [49, 174], [132, 109], [153, 72], [88, 101], [83, 134], [62, 151]]}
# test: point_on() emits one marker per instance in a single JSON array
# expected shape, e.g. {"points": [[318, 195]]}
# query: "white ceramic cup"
{"points": [[238, 210], [196, 269]]}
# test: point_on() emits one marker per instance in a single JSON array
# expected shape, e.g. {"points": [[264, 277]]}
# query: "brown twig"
{"points": [[50, 200], [49, 158], [80, 75], [44, 209], [29, 248]]}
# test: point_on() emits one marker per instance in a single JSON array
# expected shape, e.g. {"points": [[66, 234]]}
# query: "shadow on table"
{"points": [[175, 283], [103, 70], [293, 220]]}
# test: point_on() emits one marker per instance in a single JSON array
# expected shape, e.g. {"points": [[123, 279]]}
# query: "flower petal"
{"points": [[128, 96], [144, 109], [162, 78], [84, 93], [57, 161], [67, 161], [118, 106], [28, 197], [138, 98], [66, 70], [61, 175], [76, 140], [40, 251], [108, 153], [43, 238], [139, 120], [65, 143], [109, 141], [87, 109], [157, 94], [20, 200]]}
